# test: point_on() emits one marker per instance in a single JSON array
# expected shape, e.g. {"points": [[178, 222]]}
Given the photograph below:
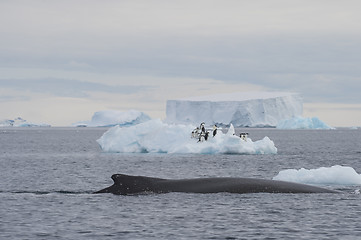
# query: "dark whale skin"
{"points": [[127, 184]]}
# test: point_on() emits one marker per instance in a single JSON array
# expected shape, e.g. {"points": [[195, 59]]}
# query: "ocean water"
{"points": [[47, 176]]}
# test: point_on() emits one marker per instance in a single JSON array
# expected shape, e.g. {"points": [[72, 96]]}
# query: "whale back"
{"points": [[239, 185], [126, 184]]}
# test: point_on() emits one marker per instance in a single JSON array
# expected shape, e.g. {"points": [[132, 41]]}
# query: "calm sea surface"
{"points": [[47, 176]]}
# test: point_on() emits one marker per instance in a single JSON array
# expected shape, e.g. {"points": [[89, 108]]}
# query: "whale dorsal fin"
{"points": [[133, 184]]}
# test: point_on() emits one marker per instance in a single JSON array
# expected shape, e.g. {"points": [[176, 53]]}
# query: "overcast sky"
{"points": [[60, 61]]}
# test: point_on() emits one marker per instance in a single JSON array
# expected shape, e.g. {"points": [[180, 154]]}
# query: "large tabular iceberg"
{"points": [[243, 109], [154, 136], [110, 118], [303, 123]]}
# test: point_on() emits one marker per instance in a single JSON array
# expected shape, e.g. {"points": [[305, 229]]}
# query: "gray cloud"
{"points": [[311, 48], [8, 98], [322, 68], [67, 87]]}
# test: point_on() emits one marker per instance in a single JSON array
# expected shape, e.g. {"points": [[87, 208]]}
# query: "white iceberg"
{"points": [[155, 136], [335, 175], [20, 122], [109, 118], [242, 109], [303, 123]]}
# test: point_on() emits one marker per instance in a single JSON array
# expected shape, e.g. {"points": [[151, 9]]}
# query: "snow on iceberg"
{"points": [[335, 175], [303, 123], [20, 122], [109, 118], [154, 136], [242, 109]]}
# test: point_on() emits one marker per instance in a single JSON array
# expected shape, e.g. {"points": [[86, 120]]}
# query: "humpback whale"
{"points": [[127, 184]]}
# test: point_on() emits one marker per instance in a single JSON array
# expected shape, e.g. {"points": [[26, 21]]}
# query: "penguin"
{"points": [[206, 136], [214, 130], [203, 130]]}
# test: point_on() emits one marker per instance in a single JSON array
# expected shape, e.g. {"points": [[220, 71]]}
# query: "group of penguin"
{"points": [[201, 134]]}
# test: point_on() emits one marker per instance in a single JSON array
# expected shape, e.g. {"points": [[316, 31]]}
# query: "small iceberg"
{"points": [[110, 118], [303, 123], [155, 136], [20, 122]]}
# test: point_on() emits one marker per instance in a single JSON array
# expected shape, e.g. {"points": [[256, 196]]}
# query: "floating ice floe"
{"points": [[154, 136], [335, 175]]}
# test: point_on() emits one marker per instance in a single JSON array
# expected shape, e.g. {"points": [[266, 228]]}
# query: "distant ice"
{"points": [[303, 123], [20, 122], [155, 136], [335, 175], [110, 118], [242, 109]]}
